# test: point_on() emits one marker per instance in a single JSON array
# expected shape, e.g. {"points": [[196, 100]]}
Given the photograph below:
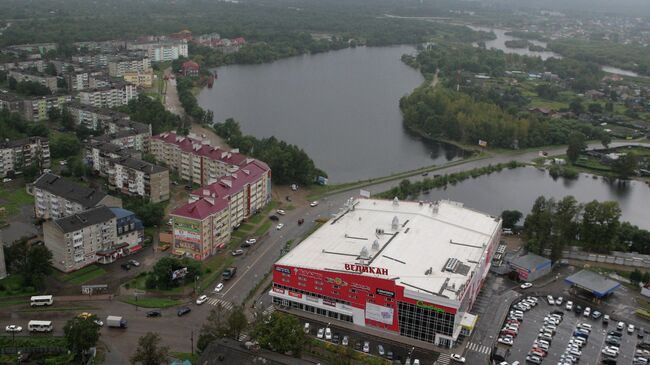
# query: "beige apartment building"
{"points": [[16, 155]]}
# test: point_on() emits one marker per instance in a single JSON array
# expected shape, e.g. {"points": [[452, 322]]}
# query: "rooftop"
{"points": [[430, 247], [97, 110], [201, 148], [21, 142], [531, 262], [140, 165], [86, 218], [595, 283], [69, 190]]}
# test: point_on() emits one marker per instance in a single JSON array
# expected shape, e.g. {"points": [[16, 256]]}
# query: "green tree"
{"points": [[636, 276], [31, 262], [511, 218], [282, 333], [576, 146], [565, 225], [214, 327], [626, 165], [237, 322], [161, 273], [600, 223], [50, 69], [81, 334], [151, 214], [65, 145], [595, 108], [150, 351], [606, 139], [576, 106], [646, 277], [609, 107], [538, 225]]}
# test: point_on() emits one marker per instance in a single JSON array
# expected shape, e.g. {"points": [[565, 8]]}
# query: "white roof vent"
{"points": [[365, 255], [395, 223], [395, 202], [375, 245]]}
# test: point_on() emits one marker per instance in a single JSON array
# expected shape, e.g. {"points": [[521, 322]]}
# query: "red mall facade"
{"points": [[372, 301]]}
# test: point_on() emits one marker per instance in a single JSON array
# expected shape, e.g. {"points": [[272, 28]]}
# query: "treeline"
{"points": [[632, 57], [13, 126], [407, 189], [149, 111], [446, 114], [28, 88], [289, 163], [595, 226]]}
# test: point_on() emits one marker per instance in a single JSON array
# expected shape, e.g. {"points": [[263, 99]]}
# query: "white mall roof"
{"points": [[427, 236]]}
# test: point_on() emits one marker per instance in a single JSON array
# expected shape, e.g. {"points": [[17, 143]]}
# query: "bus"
{"points": [[41, 300], [39, 326]]}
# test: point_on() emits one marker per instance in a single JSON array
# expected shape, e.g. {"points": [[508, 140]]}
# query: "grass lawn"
{"points": [[216, 265], [246, 227], [33, 341], [263, 228], [83, 275], [257, 218], [12, 286], [194, 358], [147, 302], [13, 199]]}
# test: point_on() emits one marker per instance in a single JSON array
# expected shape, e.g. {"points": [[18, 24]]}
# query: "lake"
{"points": [[502, 38], [518, 189], [341, 107]]}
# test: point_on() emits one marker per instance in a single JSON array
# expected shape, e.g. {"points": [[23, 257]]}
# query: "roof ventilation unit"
{"points": [[395, 202], [395, 224], [452, 265], [375, 245], [364, 255]]}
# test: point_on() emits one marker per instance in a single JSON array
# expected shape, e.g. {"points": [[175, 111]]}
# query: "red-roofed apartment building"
{"points": [[203, 225], [195, 161], [190, 68]]}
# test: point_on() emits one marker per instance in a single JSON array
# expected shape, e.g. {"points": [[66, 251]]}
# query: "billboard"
{"points": [[379, 313]]}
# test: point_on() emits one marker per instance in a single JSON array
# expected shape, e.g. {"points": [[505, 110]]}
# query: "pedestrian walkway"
{"points": [[269, 310], [478, 348], [243, 337], [443, 359], [225, 304]]}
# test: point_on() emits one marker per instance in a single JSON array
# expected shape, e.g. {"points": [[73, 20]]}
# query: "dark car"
{"points": [[335, 339], [644, 345], [188, 187], [596, 314], [301, 221], [274, 218], [640, 332], [559, 313], [577, 309], [357, 346], [609, 361], [154, 314], [183, 311], [126, 266], [615, 333]]}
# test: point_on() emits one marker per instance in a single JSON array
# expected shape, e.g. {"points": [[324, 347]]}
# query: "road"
{"points": [[252, 267]]}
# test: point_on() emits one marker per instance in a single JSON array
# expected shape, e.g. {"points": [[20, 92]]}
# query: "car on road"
{"points": [[274, 218], [630, 328], [620, 326], [154, 313], [314, 203], [345, 341], [238, 252], [134, 263], [279, 226], [281, 212], [526, 285], [380, 350], [366, 346], [328, 333], [202, 299], [98, 322], [218, 288], [249, 242], [183, 311], [321, 333], [457, 358], [13, 328], [126, 266]]}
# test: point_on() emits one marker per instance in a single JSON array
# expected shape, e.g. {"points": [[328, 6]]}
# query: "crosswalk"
{"points": [[225, 304], [478, 348], [269, 310], [443, 359], [243, 337]]}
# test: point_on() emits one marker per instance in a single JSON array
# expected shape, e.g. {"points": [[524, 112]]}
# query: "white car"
{"points": [[630, 328], [314, 203], [609, 352], [98, 322], [321, 333], [345, 341], [366, 346], [251, 241], [506, 340], [457, 358], [281, 212], [202, 299], [13, 328], [6, 180], [328, 334], [550, 300], [559, 301], [279, 226], [526, 285], [569, 305], [218, 288], [587, 312]]}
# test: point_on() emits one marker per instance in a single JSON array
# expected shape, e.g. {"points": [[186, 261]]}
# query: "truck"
{"points": [[229, 273], [115, 322]]}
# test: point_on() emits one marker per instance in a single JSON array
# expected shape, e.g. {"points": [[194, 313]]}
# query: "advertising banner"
{"points": [[379, 313]]}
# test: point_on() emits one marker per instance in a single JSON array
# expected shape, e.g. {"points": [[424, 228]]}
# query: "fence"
{"points": [[615, 257]]}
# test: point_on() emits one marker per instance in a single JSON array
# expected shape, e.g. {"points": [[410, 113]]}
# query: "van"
{"points": [[585, 326], [39, 326], [306, 328]]}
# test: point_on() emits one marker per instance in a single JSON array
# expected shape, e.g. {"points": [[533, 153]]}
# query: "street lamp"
{"points": [[196, 280]]}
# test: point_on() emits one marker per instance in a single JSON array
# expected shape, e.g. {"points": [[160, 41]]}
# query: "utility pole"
{"points": [[192, 341]]}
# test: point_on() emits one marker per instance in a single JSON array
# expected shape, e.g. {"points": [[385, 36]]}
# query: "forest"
{"points": [[626, 56]]}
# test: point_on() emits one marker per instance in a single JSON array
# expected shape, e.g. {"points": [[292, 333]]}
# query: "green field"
{"points": [[13, 199], [147, 302], [83, 275], [12, 286]]}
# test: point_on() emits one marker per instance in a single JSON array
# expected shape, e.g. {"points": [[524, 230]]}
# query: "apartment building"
{"points": [[75, 240], [37, 64], [94, 117], [203, 226], [55, 197], [133, 135], [18, 154], [138, 178], [118, 94], [195, 160], [95, 60], [140, 79], [130, 231], [48, 81], [120, 66], [36, 108], [161, 50], [85, 79]]}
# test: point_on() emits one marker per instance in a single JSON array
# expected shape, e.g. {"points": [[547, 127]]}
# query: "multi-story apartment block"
{"points": [[38, 65], [140, 79], [130, 230], [118, 94], [130, 134], [120, 66], [86, 79], [99, 155], [96, 60], [76, 240], [36, 108], [195, 160], [161, 51], [18, 154], [10, 102], [93, 117], [48, 81], [202, 226], [138, 178], [33, 47], [56, 197]]}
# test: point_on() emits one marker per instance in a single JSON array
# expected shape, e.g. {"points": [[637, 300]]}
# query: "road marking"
{"points": [[443, 359], [225, 304], [269, 310], [478, 348]]}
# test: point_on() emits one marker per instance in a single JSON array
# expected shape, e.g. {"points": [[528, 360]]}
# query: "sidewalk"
{"points": [[83, 298]]}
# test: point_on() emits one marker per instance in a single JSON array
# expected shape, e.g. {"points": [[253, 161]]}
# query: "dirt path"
{"points": [[435, 80], [214, 139], [172, 103]]}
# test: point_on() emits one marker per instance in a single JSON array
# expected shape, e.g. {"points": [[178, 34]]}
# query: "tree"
{"points": [[577, 144], [282, 333], [65, 145], [606, 139], [576, 106], [510, 218], [151, 214], [538, 225], [609, 107], [215, 326], [161, 273], [149, 351], [565, 226], [237, 322], [636, 276], [81, 334], [626, 165], [600, 223], [646, 277], [595, 108], [31, 262], [50, 69]]}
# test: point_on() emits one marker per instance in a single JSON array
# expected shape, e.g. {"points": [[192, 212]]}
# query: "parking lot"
{"points": [[533, 321]]}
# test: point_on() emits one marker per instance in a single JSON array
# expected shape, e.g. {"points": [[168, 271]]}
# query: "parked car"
{"points": [[457, 358], [238, 252], [134, 263], [154, 313], [321, 333], [274, 218], [251, 241], [550, 300], [526, 285], [630, 328], [596, 314], [306, 328], [606, 318], [345, 341], [126, 266], [328, 333], [183, 311], [640, 332], [202, 299], [314, 203], [279, 226], [366, 346], [13, 328], [380, 350], [336, 339], [620, 326], [587, 312], [280, 212]]}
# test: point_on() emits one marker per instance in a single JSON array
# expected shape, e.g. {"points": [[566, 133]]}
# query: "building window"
{"points": [[336, 287]]}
